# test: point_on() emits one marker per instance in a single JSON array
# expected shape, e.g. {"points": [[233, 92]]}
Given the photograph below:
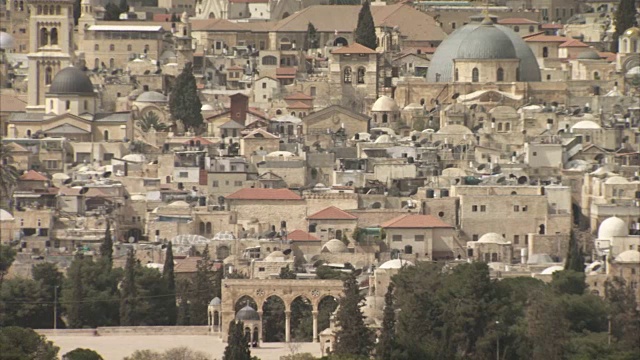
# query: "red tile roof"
{"points": [[573, 43], [609, 56], [415, 222], [299, 105], [264, 194], [545, 38], [332, 213], [354, 48], [298, 96], [286, 72], [517, 21], [299, 235], [33, 175]]}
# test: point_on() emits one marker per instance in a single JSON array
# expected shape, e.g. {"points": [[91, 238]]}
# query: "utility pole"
{"points": [[498, 341], [55, 307]]}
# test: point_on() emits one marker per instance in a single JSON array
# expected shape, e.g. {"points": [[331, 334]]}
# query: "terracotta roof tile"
{"points": [[259, 133], [573, 43], [298, 96], [332, 213], [33, 175], [354, 48], [264, 194], [299, 105], [299, 235], [415, 221], [286, 72]]}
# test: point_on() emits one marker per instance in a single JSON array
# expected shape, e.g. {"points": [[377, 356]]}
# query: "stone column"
{"points": [[315, 326], [260, 312], [287, 326]]}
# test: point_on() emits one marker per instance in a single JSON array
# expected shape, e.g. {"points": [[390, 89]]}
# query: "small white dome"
{"points": [[585, 125], [334, 246], [178, 203], [5, 215], [551, 269], [383, 139], [281, 153], [616, 180], [396, 264], [275, 256], [629, 256], [139, 158], [206, 107], [492, 238], [385, 103], [612, 227]]}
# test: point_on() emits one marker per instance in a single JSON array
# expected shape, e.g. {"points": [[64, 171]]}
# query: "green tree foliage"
{"points": [[8, 173], [21, 304], [81, 354], [174, 17], [106, 248], [183, 290], [111, 12], [182, 353], [365, 33], [184, 103], [353, 337], [568, 282], [129, 293], [575, 258], [324, 272], [18, 343], [153, 308], [287, 273], [123, 6], [204, 289], [624, 313], [77, 11], [273, 320], [149, 121], [624, 18], [387, 342], [311, 38], [547, 328], [237, 344], [169, 278], [90, 294], [50, 281], [7, 255]]}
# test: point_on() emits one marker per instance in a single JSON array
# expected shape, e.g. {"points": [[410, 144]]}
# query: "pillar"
{"points": [[287, 326], [260, 312], [315, 326]]}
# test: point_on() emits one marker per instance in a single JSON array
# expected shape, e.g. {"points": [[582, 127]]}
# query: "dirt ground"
{"points": [[116, 347]]}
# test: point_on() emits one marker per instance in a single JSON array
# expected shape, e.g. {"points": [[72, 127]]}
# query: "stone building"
{"points": [[353, 75], [332, 223], [422, 237]]}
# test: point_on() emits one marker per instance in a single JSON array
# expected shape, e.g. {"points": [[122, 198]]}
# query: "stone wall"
{"points": [[128, 330]]}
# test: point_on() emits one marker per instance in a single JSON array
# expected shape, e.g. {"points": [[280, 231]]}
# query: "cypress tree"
{"points": [[106, 248], [124, 6], [353, 337], [112, 12], [169, 277], [311, 38], [74, 306], [237, 344], [128, 292], [624, 18], [386, 345], [575, 258], [184, 103], [365, 33], [203, 289]]}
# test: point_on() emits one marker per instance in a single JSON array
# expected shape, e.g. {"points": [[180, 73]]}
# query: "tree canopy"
{"points": [[365, 33], [184, 103], [237, 344], [353, 336]]}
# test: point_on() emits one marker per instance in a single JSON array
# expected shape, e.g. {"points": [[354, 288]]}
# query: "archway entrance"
{"points": [[340, 41], [273, 320], [326, 307], [301, 320]]}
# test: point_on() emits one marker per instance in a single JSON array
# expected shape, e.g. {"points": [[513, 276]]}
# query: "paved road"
{"points": [[116, 347]]}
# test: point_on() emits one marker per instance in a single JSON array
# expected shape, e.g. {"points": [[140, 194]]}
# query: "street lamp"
{"points": [[497, 340]]}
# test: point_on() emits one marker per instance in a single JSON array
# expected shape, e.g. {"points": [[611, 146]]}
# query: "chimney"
{"points": [[239, 108]]}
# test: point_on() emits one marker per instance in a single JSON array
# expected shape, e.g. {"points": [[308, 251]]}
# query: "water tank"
{"points": [[444, 193], [430, 193]]}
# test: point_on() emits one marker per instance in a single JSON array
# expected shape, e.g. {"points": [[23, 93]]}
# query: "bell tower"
{"points": [[183, 41], [51, 46]]}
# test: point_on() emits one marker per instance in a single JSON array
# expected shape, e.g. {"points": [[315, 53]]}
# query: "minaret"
{"points": [[50, 46], [183, 41]]}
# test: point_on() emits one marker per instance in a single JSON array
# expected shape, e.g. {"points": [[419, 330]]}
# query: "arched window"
{"points": [[596, 75], [58, 10], [112, 63], [54, 36], [48, 75], [385, 118], [269, 60], [96, 47], [86, 105], [500, 75], [209, 228], [105, 135], [499, 126], [532, 29], [129, 47], [475, 75], [347, 75], [112, 47], [516, 28], [39, 9], [44, 37], [507, 127], [67, 105], [29, 132], [46, 10], [455, 75], [360, 78], [96, 63], [545, 52]]}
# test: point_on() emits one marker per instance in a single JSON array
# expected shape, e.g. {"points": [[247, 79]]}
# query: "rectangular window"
{"points": [[237, 183], [516, 208], [483, 208], [516, 239], [526, 239], [419, 238], [396, 238], [214, 183], [261, 269], [51, 164], [183, 174], [474, 208], [474, 237], [264, 85], [524, 208], [313, 91]]}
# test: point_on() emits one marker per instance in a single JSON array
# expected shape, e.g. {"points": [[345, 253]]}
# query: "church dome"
{"points": [[385, 103], [334, 246], [629, 256], [6, 41], [482, 41], [396, 264], [632, 32], [71, 81], [247, 313], [151, 96], [585, 125], [589, 54], [612, 227]]}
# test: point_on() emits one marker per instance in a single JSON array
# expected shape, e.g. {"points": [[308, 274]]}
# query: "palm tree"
{"points": [[151, 120], [8, 173]]}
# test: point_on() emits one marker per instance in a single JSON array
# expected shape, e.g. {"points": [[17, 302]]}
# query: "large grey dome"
{"points": [[247, 313], [482, 41], [71, 81]]}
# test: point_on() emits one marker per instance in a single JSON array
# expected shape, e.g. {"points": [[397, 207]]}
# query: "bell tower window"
{"points": [[44, 36], [48, 75], [54, 36]]}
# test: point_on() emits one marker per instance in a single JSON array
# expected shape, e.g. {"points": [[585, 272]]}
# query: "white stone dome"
{"points": [[6, 41], [616, 180], [629, 256], [551, 269], [5, 215], [275, 256], [585, 125], [385, 103], [334, 246], [138, 158], [396, 264], [206, 107], [178, 203], [612, 227], [492, 238]]}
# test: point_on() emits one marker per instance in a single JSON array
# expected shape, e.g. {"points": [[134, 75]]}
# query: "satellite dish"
{"points": [[106, 174], [455, 96], [357, 272], [287, 252], [522, 180], [84, 190], [68, 181]]}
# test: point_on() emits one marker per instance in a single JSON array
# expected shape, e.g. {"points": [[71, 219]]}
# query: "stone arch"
{"points": [[273, 319], [340, 41], [475, 75], [326, 306], [301, 308], [243, 301], [269, 60], [44, 36], [54, 36]]}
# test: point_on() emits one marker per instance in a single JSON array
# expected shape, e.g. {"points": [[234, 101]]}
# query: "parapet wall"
{"points": [[128, 330]]}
